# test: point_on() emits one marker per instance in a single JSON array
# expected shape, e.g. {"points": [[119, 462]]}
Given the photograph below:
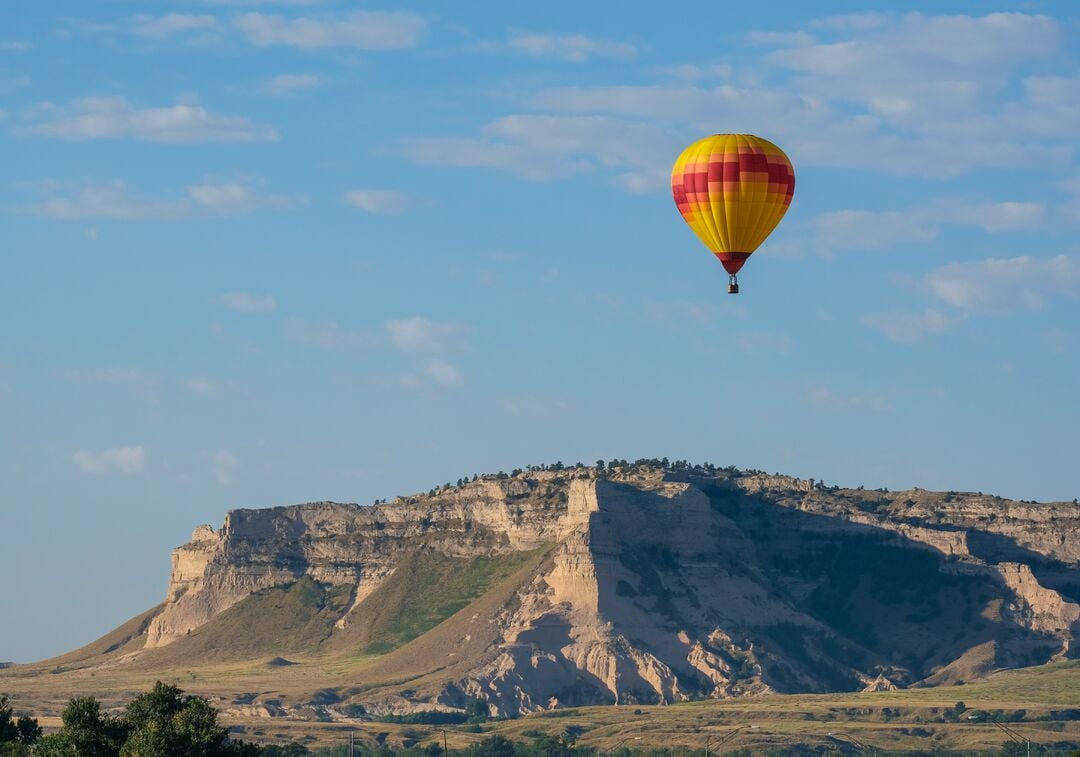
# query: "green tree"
{"points": [[492, 746], [286, 750], [87, 732], [166, 723], [16, 734], [162, 722]]}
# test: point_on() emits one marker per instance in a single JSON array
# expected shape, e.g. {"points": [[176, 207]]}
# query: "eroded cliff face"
{"points": [[348, 544], [662, 585]]}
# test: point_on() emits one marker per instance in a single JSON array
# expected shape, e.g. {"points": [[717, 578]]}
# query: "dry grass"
{"points": [[887, 721]]}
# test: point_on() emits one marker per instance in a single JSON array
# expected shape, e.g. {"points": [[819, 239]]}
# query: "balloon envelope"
{"points": [[732, 189]]}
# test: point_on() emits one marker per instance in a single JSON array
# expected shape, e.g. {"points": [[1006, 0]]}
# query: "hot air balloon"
{"points": [[732, 189]]}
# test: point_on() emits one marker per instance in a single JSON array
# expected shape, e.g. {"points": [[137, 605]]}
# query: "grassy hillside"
{"points": [[426, 588], [283, 621]]}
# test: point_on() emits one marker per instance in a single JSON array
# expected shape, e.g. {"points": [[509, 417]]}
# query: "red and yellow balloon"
{"points": [[733, 189]]}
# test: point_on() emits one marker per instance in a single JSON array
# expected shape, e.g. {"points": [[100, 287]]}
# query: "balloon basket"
{"points": [[733, 285]]}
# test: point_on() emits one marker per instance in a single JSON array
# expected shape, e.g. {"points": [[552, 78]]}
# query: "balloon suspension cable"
{"points": [[732, 284]]}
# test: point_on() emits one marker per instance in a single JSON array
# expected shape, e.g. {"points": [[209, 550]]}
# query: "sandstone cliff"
{"points": [[638, 584]]}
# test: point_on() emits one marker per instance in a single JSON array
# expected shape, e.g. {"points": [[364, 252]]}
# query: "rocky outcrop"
{"points": [[1040, 608], [657, 585]]}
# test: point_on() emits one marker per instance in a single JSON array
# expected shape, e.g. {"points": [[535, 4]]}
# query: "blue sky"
{"points": [[257, 253]]}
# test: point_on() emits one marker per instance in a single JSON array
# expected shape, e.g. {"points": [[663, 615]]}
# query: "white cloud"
{"points": [[225, 467], [575, 48], [126, 460], [326, 334], [443, 373], [417, 336], [434, 374], [114, 200], [245, 302], [999, 216], [902, 94], [170, 25], [891, 48], [548, 147], [693, 72], [234, 198], [875, 230], [203, 387], [420, 335], [66, 201], [861, 229], [996, 284], [378, 201], [909, 328], [286, 84], [115, 118], [364, 30], [13, 46], [774, 38], [763, 342], [852, 21], [826, 399]]}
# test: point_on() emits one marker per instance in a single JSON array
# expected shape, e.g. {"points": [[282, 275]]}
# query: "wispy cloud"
{"points": [[287, 84], [68, 201], [763, 342], [695, 72], [902, 94], [825, 398], [431, 375], [170, 25], [421, 335], [127, 460], [1002, 284], [549, 147], [203, 387], [378, 201], [909, 328], [231, 198], [328, 335], [877, 230], [116, 201], [114, 117], [363, 30], [780, 39], [575, 48], [245, 302]]}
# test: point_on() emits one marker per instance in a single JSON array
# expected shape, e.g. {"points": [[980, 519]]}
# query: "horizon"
{"points": [[258, 253]]}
